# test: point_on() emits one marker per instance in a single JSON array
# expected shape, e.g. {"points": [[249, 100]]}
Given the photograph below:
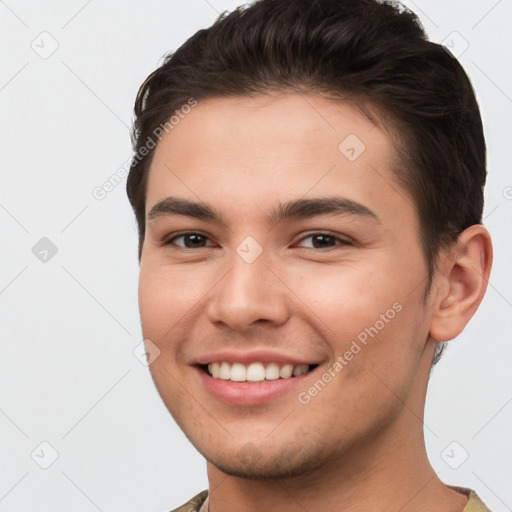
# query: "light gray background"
{"points": [[69, 325]]}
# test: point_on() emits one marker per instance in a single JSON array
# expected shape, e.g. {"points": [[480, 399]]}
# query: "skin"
{"points": [[358, 444]]}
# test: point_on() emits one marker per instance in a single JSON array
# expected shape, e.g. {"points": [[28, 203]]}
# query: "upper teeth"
{"points": [[255, 371]]}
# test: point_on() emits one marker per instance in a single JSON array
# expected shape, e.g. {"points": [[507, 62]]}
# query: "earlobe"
{"points": [[465, 271]]}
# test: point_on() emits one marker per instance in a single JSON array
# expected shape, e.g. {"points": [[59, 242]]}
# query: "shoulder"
{"points": [[474, 503], [194, 504]]}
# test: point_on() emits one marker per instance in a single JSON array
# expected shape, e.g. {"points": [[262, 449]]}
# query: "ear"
{"points": [[461, 282]]}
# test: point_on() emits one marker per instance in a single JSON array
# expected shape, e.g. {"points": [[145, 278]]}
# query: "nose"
{"points": [[249, 293]]}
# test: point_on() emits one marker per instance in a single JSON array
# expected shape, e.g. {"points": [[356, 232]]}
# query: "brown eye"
{"points": [[189, 240], [323, 240]]}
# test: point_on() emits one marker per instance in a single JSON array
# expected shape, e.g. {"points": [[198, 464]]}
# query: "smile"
{"points": [[256, 372], [252, 384]]}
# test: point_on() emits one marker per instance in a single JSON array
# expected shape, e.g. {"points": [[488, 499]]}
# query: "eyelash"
{"points": [[342, 241]]}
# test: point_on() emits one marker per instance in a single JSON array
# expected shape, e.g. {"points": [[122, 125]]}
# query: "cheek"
{"points": [[346, 298], [161, 307], [367, 314], [153, 302], [166, 295]]}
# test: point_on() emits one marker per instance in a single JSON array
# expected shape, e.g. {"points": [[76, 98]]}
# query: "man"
{"points": [[310, 230]]}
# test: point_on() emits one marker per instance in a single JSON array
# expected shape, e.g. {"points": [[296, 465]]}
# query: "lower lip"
{"points": [[249, 393]]}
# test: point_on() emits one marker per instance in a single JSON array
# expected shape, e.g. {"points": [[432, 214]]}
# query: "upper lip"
{"points": [[252, 356]]}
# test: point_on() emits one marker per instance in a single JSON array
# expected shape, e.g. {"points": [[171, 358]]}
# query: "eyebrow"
{"points": [[297, 209]]}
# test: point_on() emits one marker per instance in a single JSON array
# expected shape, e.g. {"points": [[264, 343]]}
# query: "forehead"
{"points": [[282, 145], [279, 120]]}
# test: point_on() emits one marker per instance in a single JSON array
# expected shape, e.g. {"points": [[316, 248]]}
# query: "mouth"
{"points": [[256, 371], [253, 384]]}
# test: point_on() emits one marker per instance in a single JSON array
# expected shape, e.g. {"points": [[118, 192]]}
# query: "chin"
{"points": [[252, 463]]}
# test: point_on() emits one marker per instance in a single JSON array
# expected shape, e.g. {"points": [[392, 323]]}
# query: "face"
{"points": [[278, 241]]}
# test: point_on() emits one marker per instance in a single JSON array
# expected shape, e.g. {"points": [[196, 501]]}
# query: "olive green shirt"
{"points": [[199, 503]]}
